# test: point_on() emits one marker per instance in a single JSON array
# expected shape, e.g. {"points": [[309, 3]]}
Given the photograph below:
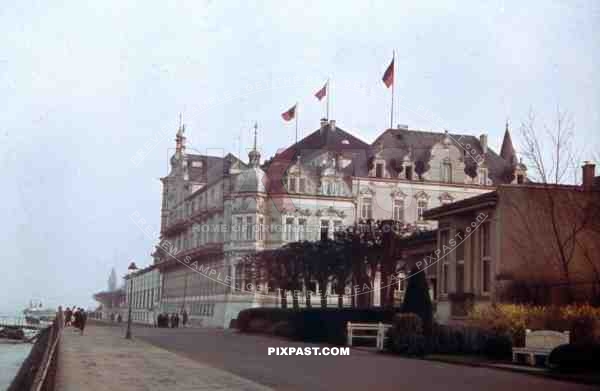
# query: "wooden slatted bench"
{"points": [[379, 336], [540, 343]]}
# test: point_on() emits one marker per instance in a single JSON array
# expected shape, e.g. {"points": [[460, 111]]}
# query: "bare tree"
{"points": [[553, 219], [548, 149]]}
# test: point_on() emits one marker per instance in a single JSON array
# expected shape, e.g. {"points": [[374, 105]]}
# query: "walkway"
{"points": [[103, 360], [247, 356]]}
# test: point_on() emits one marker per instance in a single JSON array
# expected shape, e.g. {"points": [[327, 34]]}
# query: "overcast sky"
{"points": [[83, 87]]}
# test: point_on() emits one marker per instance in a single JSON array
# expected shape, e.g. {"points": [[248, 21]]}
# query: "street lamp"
{"points": [[131, 269]]}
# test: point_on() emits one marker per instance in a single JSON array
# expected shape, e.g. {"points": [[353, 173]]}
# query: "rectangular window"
{"points": [[289, 229], [301, 229], [402, 282], [249, 228], [408, 172], [444, 242], [421, 207], [446, 172], [399, 210], [337, 226], [485, 237], [486, 260], [486, 275], [302, 185], [520, 179], [237, 229], [324, 229], [261, 233], [482, 176], [292, 185], [460, 261], [379, 170], [367, 208]]}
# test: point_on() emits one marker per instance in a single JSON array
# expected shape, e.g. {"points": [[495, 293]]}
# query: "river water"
{"points": [[12, 356]]}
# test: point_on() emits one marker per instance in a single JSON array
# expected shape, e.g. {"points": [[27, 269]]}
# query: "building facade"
{"points": [[216, 210], [532, 243]]}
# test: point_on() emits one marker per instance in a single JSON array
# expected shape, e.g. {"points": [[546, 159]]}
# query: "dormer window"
{"points": [[302, 185], [408, 172], [291, 185], [446, 171], [483, 173], [379, 170]]}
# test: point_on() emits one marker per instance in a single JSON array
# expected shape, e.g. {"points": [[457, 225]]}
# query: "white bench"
{"points": [[379, 328], [540, 343]]}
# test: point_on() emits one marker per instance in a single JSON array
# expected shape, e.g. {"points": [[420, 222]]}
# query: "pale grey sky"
{"points": [[84, 86]]}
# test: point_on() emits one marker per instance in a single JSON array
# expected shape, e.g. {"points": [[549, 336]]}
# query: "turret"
{"points": [[254, 155], [507, 152]]}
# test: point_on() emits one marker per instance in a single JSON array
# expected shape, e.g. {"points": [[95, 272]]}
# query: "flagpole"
{"points": [[296, 116], [393, 82], [328, 91]]}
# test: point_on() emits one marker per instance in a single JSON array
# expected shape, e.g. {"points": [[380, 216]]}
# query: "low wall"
{"points": [[38, 371]]}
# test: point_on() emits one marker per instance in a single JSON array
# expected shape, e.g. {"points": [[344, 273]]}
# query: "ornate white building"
{"points": [[215, 210]]}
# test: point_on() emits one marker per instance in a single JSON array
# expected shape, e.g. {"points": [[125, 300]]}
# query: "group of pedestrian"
{"points": [[119, 317], [165, 320], [75, 317]]}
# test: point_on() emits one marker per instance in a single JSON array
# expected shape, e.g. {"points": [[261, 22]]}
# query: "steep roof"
{"points": [[507, 151], [209, 168], [328, 137], [418, 143]]}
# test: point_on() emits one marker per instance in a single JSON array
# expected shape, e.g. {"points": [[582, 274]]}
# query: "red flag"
{"points": [[322, 92], [290, 114], [388, 76]]}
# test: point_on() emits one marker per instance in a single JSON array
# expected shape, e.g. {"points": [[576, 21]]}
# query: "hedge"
{"points": [[312, 324], [575, 357]]}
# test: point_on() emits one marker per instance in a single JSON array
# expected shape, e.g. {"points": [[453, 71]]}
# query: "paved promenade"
{"points": [[211, 359], [246, 356], [102, 359]]}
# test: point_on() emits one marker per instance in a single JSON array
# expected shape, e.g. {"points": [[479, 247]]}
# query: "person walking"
{"points": [[68, 314], [184, 317], [83, 319]]}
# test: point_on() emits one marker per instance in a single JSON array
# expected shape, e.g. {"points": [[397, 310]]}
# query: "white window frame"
{"points": [[398, 209], [292, 188], [421, 209], [366, 213], [237, 229], [301, 185], [445, 267], [289, 228], [321, 226], [482, 174], [446, 171], [302, 229], [461, 242], [260, 227], [248, 227], [486, 227]]}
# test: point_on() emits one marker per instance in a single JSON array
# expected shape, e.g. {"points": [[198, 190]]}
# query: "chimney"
{"points": [[332, 124], [588, 172], [323, 124], [483, 140]]}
